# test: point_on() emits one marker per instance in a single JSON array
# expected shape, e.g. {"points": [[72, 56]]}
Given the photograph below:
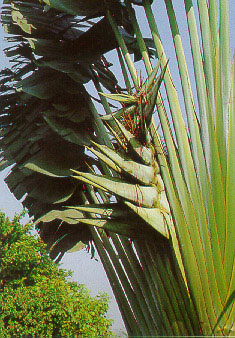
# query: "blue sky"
{"points": [[89, 271]]}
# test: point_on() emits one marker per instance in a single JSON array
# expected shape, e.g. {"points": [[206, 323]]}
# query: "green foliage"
{"points": [[37, 297], [172, 265]]}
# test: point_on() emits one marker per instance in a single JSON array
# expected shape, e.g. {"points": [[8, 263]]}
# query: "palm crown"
{"points": [[156, 203]]}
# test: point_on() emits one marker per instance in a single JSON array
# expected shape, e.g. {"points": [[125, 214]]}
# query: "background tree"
{"points": [[156, 203], [36, 297]]}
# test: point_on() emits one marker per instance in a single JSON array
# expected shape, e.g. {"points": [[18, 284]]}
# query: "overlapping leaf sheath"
{"points": [[138, 184]]}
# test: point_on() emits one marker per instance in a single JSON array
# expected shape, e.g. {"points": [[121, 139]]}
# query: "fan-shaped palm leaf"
{"points": [[173, 198]]}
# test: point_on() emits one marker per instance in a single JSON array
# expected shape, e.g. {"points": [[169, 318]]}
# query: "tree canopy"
{"points": [[37, 298], [155, 201]]}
